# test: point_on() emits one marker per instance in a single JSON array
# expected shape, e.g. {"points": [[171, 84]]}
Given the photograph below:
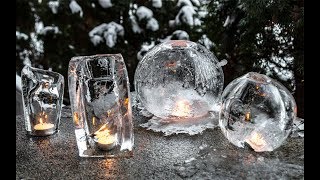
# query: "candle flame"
{"points": [[103, 131], [40, 120], [247, 118], [181, 109], [93, 120]]}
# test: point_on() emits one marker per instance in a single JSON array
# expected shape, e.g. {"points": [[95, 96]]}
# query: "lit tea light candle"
{"points": [[182, 109], [256, 141], [247, 117], [43, 128], [104, 140]]}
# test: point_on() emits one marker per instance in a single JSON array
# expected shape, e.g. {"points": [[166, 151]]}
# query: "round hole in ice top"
{"points": [[259, 78], [178, 78]]}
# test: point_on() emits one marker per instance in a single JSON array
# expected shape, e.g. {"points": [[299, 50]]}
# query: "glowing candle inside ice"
{"points": [[43, 125], [181, 109], [256, 141], [105, 140]]}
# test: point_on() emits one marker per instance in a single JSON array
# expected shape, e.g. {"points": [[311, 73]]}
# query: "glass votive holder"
{"points": [[100, 102], [42, 99]]}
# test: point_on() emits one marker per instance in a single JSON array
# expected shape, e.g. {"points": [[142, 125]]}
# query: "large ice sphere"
{"points": [[257, 111], [100, 102], [179, 79], [42, 99]]}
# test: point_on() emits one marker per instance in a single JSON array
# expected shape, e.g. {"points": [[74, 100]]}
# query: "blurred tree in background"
{"points": [[264, 36]]}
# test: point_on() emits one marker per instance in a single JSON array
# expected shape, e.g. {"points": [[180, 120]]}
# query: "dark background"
{"points": [[262, 36]]}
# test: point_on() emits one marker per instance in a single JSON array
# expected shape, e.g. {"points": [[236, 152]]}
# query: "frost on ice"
{"points": [[105, 3], [53, 5], [106, 32], [75, 8], [179, 82]]}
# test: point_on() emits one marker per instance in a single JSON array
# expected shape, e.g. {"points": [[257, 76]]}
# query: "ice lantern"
{"points": [[100, 102], [257, 111], [179, 80], [42, 99]]}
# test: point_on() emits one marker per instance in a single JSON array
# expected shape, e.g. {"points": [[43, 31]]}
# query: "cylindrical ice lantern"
{"points": [[179, 79], [42, 99], [100, 102], [257, 111]]}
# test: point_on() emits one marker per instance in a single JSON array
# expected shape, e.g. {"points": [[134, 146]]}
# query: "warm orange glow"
{"points": [[247, 116], [263, 94], [76, 118], [181, 109], [103, 131], [257, 87], [179, 43], [40, 120], [93, 120], [126, 101], [42, 124], [256, 141], [105, 140]]}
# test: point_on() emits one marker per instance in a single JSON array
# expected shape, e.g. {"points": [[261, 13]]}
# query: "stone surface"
{"points": [[204, 156]]}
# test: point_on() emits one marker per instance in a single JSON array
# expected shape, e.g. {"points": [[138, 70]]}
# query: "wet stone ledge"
{"points": [[204, 156]]}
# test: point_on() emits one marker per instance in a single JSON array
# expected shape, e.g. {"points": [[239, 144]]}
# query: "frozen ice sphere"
{"points": [[257, 111], [179, 78]]}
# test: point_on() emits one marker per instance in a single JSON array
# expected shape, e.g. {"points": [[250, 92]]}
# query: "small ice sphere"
{"points": [[179, 79], [257, 111]]}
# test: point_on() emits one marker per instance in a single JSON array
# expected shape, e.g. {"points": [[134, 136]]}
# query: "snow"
{"points": [[18, 83], [96, 39], [180, 35], [49, 29], [106, 32], [185, 15], [157, 3], [105, 3], [152, 24], [20, 35], [53, 5], [222, 63], [229, 21], [196, 2], [206, 42], [144, 13], [134, 24], [75, 8], [184, 3], [144, 48]]}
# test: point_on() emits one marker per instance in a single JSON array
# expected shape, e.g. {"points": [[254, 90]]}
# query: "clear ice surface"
{"points": [[100, 102], [42, 97], [257, 111], [179, 81]]}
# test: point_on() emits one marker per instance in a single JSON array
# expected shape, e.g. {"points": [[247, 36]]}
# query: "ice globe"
{"points": [[179, 79], [257, 111]]}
